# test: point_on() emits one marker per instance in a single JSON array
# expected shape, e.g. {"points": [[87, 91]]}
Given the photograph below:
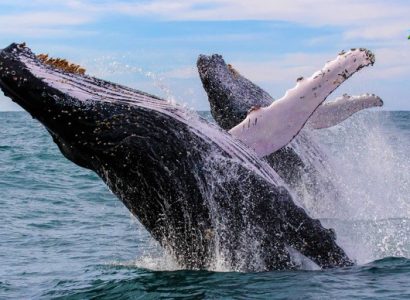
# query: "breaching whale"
{"points": [[200, 192], [232, 97]]}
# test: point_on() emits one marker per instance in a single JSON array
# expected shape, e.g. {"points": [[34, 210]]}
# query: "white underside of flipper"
{"points": [[332, 113], [268, 129]]}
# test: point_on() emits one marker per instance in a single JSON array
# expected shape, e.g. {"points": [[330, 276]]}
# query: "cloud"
{"points": [[372, 20], [378, 24], [366, 19], [51, 18], [44, 24], [181, 73], [285, 68], [279, 73], [379, 31]]}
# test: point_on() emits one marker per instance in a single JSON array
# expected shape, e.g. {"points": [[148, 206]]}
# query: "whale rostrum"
{"points": [[202, 194]]}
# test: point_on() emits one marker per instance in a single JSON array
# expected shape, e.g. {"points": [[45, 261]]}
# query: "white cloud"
{"points": [[43, 24], [280, 72], [286, 68], [388, 30], [361, 19], [366, 19], [50, 18], [181, 73], [378, 22]]}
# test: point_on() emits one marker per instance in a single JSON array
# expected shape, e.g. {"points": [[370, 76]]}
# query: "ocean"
{"points": [[64, 235]]}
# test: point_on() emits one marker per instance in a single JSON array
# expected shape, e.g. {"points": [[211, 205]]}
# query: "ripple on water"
{"points": [[360, 282], [64, 235]]}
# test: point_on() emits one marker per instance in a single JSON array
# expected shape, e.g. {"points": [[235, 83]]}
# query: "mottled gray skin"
{"points": [[193, 187], [231, 96]]}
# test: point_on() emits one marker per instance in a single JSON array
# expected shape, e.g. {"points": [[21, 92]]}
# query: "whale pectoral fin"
{"points": [[332, 113], [268, 129], [240, 95]]}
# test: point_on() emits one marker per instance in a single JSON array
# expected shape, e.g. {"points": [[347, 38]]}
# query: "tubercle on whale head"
{"points": [[217, 77], [205, 62]]}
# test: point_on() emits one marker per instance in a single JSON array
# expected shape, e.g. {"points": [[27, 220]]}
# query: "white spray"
{"points": [[367, 163]]}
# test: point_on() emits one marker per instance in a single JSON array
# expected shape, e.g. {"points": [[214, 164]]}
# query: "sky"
{"points": [[153, 45]]}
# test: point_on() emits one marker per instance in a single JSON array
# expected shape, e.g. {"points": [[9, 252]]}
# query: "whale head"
{"points": [[230, 94], [86, 117]]}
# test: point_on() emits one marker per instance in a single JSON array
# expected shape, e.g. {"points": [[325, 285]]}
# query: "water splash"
{"points": [[370, 168], [149, 261], [364, 161], [120, 68]]}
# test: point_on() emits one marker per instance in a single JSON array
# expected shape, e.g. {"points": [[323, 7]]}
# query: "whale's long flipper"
{"points": [[332, 113], [231, 96], [268, 129], [195, 188]]}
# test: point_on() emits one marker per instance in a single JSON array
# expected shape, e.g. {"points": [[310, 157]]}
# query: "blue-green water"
{"points": [[63, 234]]}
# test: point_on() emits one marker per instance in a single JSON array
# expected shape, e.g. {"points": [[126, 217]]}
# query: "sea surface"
{"points": [[64, 235]]}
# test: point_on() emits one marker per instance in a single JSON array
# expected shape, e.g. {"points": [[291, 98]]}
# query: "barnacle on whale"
{"points": [[61, 64], [233, 70]]}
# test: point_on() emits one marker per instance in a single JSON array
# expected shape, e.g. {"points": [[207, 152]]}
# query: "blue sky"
{"points": [[153, 45]]}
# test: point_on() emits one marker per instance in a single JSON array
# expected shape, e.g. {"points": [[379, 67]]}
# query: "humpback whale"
{"points": [[232, 97], [200, 192]]}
